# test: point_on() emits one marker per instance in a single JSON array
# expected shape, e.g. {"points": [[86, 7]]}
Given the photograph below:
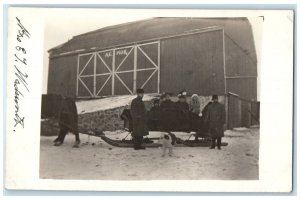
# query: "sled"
{"points": [[173, 121], [170, 121]]}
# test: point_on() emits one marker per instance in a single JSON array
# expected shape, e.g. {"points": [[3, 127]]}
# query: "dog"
{"points": [[166, 141]]}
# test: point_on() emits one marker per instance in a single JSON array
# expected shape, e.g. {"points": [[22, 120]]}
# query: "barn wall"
{"points": [[245, 88], [238, 60], [241, 71], [62, 76], [194, 63]]}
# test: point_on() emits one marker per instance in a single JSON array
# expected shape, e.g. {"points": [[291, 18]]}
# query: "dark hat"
{"points": [[140, 91], [214, 97]]}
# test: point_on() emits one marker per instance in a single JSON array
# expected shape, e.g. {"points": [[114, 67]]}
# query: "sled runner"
{"points": [[149, 142]]}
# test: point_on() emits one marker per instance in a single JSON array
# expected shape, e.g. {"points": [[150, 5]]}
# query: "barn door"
{"points": [[119, 71], [94, 77], [104, 73], [124, 70], [147, 67], [85, 75]]}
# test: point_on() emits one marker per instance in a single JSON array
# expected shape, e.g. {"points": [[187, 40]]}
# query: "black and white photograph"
{"points": [[150, 100], [160, 98]]}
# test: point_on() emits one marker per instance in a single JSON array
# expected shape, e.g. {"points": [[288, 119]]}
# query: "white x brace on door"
{"points": [[119, 71]]}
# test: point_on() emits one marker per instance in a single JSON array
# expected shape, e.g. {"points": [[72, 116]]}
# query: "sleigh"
{"points": [[173, 122], [170, 121]]}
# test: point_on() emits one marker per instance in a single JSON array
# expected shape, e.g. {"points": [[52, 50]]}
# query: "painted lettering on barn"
{"points": [[118, 52], [108, 54], [121, 52]]}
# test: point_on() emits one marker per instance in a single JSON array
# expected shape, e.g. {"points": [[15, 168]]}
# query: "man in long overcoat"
{"points": [[216, 118], [139, 119]]}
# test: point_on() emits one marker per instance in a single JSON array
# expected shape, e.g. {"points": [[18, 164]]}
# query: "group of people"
{"points": [[215, 115], [165, 103]]}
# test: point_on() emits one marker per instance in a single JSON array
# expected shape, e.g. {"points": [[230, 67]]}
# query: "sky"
{"points": [[62, 24]]}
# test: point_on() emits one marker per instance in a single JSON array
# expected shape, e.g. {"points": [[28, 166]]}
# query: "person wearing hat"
{"points": [[167, 104], [216, 118], [181, 104], [139, 120]]}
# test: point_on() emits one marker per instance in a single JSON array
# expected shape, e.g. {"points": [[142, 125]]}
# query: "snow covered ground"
{"points": [[97, 160], [88, 106]]}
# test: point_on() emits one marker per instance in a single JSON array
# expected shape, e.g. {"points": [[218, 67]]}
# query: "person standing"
{"points": [[139, 119], [216, 119]]}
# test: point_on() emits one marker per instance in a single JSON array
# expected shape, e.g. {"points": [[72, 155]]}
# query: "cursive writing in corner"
{"points": [[21, 77]]}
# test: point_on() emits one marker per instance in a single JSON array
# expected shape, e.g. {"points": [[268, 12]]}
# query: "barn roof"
{"points": [[236, 29]]}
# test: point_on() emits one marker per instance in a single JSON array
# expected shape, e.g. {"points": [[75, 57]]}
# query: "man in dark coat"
{"points": [[216, 119], [139, 119]]}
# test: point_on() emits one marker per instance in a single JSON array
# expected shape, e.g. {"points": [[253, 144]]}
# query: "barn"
{"points": [[202, 55]]}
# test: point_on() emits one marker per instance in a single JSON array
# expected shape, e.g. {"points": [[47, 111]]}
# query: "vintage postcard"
{"points": [[149, 100]]}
